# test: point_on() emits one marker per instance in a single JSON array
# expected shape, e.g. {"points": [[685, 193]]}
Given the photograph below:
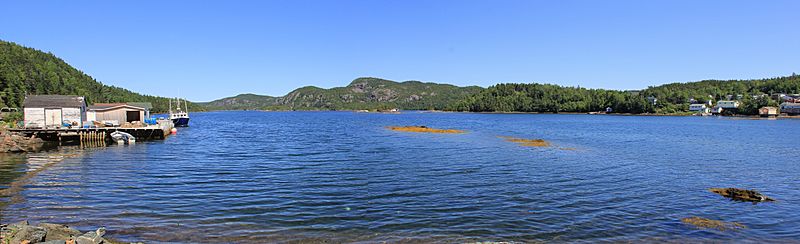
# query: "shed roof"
{"points": [[110, 106], [145, 105], [53, 101]]}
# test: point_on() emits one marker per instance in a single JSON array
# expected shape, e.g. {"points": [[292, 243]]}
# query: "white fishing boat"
{"points": [[180, 118]]}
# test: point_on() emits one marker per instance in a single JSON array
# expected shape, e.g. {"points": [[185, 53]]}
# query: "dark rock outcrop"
{"points": [[743, 195]]}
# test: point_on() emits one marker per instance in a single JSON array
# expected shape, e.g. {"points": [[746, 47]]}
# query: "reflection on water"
{"points": [[17, 170], [343, 177]]}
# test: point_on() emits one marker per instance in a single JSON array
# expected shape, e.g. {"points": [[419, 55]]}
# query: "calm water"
{"points": [[342, 177]]}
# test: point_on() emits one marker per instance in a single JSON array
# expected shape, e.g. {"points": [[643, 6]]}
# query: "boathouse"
{"points": [[53, 111], [116, 113], [768, 111], [145, 105]]}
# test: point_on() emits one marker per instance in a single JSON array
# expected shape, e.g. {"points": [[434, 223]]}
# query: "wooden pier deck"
{"points": [[65, 135]]}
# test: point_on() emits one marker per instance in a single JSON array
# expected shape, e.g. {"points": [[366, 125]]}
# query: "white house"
{"points": [[790, 108], [728, 104], [48, 111], [697, 107]]}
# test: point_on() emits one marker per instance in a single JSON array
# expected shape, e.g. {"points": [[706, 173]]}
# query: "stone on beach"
{"points": [[92, 237], [743, 195], [23, 232], [59, 232]]}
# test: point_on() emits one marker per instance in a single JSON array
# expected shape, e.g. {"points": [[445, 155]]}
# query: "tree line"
{"points": [[667, 99], [27, 71]]}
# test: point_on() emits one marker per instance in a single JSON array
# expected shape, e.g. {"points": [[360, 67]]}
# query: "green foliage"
{"points": [[362, 93], [245, 102], [551, 98], [12, 117], [675, 97], [27, 71], [672, 98]]}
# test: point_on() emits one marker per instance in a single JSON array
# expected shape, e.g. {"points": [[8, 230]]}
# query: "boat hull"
{"points": [[180, 122]]}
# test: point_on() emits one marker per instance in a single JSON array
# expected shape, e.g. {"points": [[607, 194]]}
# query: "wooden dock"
{"points": [[79, 135]]}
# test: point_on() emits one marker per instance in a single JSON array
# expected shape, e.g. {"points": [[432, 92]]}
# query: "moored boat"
{"points": [[180, 118]]}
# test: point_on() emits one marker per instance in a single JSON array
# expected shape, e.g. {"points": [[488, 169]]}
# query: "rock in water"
{"points": [[712, 224], [92, 237], [743, 195]]}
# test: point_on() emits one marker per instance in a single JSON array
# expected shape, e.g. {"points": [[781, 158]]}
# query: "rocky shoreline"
{"points": [[47, 233], [16, 143]]}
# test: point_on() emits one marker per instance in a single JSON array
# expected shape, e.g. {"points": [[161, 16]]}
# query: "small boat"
{"points": [[179, 117], [121, 137]]}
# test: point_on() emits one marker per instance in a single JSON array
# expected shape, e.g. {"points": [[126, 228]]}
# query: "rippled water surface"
{"points": [[343, 177]]}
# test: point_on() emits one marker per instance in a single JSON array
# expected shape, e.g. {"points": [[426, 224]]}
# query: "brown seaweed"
{"points": [[705, 223], [424, 129]]}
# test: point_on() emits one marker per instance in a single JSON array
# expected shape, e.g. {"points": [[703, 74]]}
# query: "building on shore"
{"points": [[116, 113], [54, 111], [728, 104], [699, 107], [790, 108], [145, 105], [768, 112], [717, 110]]}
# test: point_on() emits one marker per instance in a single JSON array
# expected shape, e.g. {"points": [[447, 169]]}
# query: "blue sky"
{"points": [[206, 50]]}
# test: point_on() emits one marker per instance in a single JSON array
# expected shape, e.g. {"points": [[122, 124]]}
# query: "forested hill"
{"points": [[242, 102], [26, 70], [361, 93], [671, 98]]}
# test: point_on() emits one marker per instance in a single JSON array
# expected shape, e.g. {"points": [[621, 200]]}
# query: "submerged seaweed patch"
{"points": [[712, 224], [424, 129], [527, 142]]}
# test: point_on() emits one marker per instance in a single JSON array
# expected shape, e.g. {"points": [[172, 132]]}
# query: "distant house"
{"points": [[653, 100], [697, 107], [790, 108], [728, 104], [117, 113], [49, 111], [768, 111], [717, 110], [700, 108]]}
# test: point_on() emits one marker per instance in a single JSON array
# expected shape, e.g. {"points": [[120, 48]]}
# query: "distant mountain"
{"points": [[242, 102], [27, 71], [361, 93]]}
